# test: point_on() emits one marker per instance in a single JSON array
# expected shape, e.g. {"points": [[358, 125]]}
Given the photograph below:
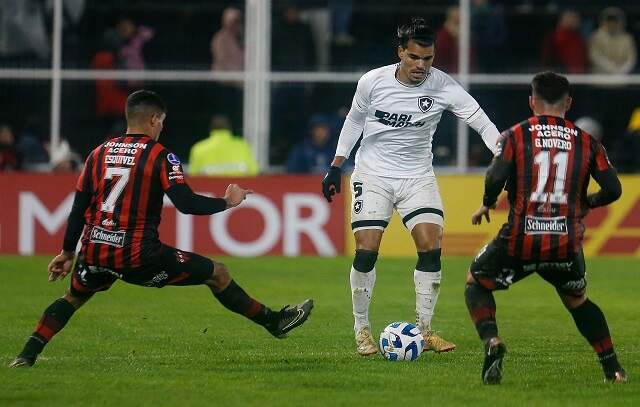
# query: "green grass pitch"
{"points": [[179, 346]]}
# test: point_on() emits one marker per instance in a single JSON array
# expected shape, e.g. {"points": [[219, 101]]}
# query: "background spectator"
{"points": [[127, 40], [612, 49], [293, 47], [9, 157], [222, 153], [626, 149], [315, 153], [564, 49], [447, 42], [23, 32], [64, 159], [227, 51], [447, 38], [33, 145], [341, 11], [488, 34], [111, 95]]}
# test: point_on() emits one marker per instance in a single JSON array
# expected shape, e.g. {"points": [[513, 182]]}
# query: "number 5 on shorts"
{"points": [[357, 189]]}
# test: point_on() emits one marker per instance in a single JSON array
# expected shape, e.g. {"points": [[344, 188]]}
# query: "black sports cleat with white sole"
{"points": [[495, 350], [289, 318], [23, 361]]}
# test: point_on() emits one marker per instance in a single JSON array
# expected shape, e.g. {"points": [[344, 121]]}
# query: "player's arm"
{"points": [[190, 203], [349, 135], [75, 223], [494, 181], [610, 188], [496, 178], [465, 107], [182, 196], [61, 265], [607, 178], [486, 129]]}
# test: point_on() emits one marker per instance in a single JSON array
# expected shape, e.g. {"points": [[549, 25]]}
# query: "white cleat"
{"points": [[366, 345]]}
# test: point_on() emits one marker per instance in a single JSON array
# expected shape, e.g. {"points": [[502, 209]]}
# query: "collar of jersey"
{"points": [[135, 135], [404, 84]]}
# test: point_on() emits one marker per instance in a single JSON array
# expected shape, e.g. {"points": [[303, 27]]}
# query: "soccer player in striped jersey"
{"points": [[546, 163], [396, 109], [116, 213]]}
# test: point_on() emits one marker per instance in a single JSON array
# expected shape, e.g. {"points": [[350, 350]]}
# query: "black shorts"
{"points": [[170, 267], [496, 270]]}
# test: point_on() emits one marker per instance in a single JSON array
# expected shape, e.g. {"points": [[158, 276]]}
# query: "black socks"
{"points": [[593, 326], [482, 308], [235, 299]]}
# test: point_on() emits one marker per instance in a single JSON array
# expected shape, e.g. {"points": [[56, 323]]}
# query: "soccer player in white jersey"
{"points": [[396, 109]]}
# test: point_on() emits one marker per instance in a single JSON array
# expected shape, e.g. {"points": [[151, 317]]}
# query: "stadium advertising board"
{"points": [[613, 230], [286, 215]]}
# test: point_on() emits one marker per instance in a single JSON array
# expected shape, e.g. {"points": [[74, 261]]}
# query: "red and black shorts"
{"points": [[496, 270], [170, 267]]}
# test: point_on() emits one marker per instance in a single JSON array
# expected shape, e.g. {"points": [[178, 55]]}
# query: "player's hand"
{"points": [[60, 266], [476, 218], [235, 194], [331, 182]]}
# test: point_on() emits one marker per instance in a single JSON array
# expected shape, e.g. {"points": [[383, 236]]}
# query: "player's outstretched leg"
{"points": [[362, 279], [426, 277], [55, 317], [592, 324], [482, 308], [235, 299]]}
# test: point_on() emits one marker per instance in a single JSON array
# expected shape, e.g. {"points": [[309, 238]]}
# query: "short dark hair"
{"points": [[219, 121], [144, 103], [550, 86], [416, 30]]}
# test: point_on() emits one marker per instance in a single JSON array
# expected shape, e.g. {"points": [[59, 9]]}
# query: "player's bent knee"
{"points": [[480, 276], [368, 239], [221, 277], [76, 301], [429, 261], [365, 260], [573, 300], [470, 278]]}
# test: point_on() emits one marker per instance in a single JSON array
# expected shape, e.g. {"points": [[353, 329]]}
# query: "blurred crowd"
{"points": [[575, 37]]}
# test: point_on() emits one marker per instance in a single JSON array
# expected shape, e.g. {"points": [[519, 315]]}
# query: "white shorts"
{"points": [[417, 200]]}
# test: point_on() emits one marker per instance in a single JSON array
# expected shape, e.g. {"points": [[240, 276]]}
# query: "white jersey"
{"points": [[397, 122]]}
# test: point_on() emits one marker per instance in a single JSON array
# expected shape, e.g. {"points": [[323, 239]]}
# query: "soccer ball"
{"points": [[401, 341]]}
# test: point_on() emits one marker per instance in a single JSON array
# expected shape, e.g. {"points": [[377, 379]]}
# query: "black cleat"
{"points": [[288, 318], [495, 350], [23, 361]]}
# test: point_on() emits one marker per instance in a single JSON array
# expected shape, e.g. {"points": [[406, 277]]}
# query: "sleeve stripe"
{"points": [[472, 114]]}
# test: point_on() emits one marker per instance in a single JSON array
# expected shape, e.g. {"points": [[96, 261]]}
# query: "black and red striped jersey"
{"points": [[126, 178], [551, 162]]}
